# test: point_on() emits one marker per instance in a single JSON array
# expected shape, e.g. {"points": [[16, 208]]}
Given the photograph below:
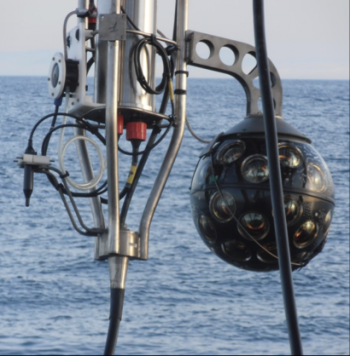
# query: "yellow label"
{"points": [[131, 174], [171, 91]]}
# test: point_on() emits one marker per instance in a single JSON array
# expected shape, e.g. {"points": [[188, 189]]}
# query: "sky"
{"points": [[307, 39]]}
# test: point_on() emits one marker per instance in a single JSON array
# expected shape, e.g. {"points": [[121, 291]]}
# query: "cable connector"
{"points": [[33, 160]]}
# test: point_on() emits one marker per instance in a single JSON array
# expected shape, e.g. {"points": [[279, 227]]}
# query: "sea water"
{"points": [[54, 298]]}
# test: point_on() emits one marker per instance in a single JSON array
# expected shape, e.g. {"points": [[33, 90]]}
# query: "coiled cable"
{"points": [[152, 41]]}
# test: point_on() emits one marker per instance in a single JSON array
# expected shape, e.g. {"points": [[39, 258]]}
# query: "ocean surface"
{"points": [[54, 298]]}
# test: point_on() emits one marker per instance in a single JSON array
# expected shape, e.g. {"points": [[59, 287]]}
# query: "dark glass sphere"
{"points": [[237, 224]]}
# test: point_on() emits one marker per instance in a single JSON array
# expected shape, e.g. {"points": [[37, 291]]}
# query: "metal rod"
{"points": [[84, 159], [112, 136], [275, 180], [103, 7], [180, 104]]}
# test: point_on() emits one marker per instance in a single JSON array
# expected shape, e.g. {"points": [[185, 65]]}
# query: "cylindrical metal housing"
{"points": [[143, 13]]}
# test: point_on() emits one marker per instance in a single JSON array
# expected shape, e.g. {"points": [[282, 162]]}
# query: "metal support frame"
{"points": [[180, 104], [240, 50], [84, 158], [112, 136]]}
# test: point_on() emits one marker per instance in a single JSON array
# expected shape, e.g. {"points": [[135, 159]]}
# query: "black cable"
{"points": [[151, 41], [53, 124], [79, 119], [275, 180], [150, 145], [129, 20], [89, 64], [116, 310], [87, 128], [60, 189]]}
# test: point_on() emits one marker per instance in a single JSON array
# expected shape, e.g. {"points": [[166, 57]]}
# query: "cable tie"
{"points": [[182, 72], [153, 39], [64, 176], [180, 92]]}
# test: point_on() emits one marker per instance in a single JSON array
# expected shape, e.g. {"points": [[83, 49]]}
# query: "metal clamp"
{"points": [[129, 246], [240, 50], [112, 27]]}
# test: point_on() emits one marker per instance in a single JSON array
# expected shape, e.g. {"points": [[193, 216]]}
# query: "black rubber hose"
{"points": [[116, 311], [276, 180], [143, 161], [138, 67], [53, 124], [149, 146]]}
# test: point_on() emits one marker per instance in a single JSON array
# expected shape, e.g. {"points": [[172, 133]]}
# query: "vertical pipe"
{"points": [[275, 180], [180, 102], [117, 264], [112, 134], [103, 7], [83, 155]]}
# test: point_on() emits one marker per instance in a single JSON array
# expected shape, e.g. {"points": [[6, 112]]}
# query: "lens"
{"points": [[327, 222], [292, 209], [316, 180], [255, 169], [55, 75], [237, 250], [264, 256], [305, 235], [231, 152], [302, 256], [207, 229], [289, 155], [223, 207], [253, 225]]}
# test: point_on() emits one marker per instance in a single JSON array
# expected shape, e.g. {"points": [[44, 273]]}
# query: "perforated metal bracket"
{"points": [[240, 50], [112, 27]]}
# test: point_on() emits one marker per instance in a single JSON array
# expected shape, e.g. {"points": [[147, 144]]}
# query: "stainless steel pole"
{"points": [[111, 133], [103, 7], [117, 264], [84, 158], [180, 104]]}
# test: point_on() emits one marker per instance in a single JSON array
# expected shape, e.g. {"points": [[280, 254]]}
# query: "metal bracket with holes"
{"points": [[240, 50], [112, 27]]}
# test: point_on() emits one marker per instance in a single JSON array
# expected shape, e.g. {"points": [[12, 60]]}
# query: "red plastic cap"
{"points": [[120, 124], [136, 131], [93, 19]]}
